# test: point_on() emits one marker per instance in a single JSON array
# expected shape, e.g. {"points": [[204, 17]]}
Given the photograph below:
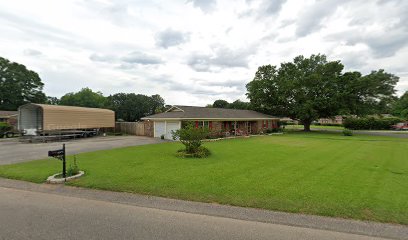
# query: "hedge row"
{"points": [[371, 123]]}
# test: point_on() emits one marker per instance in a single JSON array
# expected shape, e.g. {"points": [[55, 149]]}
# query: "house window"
{"points": [[201, 124]]}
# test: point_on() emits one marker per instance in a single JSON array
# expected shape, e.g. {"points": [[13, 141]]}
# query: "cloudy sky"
{"points": [[195, 51]]}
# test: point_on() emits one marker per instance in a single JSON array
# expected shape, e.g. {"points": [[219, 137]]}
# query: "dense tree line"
{"points": [[127, 106], [237, 104], [400, 106]]}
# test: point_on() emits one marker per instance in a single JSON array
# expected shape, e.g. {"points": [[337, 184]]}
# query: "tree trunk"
{"points": [[306, 126]]}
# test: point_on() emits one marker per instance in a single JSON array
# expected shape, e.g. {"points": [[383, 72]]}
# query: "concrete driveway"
{"points": [[12, 151]]}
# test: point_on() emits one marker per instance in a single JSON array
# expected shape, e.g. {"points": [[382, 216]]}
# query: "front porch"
{"points": [[237, 128]]}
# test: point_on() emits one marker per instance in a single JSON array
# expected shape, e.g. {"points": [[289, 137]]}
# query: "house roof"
{"points": [[204, 113], [7, 114]]}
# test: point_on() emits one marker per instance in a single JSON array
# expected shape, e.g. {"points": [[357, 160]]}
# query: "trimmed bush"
{"points": [[201, 152], [371, 123], [347, 132], [192, 138]]}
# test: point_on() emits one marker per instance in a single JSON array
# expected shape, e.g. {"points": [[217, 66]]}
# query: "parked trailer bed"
{"points": [[46, 122], [48, 136]]}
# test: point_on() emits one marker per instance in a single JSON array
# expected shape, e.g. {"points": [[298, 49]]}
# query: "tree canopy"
{"points": [[400, 107], [312, 88], [220, 103], [18, 85], [84, 98], [132, 107], [238, 104]]}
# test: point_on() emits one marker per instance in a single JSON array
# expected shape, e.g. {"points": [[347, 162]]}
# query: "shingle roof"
{"points": [[201, 113], [8, 113]]}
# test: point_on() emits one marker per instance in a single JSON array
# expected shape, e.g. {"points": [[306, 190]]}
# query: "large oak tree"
{"points": [[18, 85], [310, 88]]}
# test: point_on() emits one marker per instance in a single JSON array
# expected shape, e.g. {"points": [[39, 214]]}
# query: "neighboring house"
{"points": [[220, 121], [10, 117], [289, 120], [335, 120]]}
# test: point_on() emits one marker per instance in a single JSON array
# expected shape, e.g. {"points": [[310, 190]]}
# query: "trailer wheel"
{"points": [[9, 135]]}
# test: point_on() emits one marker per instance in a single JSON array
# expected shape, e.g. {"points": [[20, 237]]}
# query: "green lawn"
{"points": [[362, 177]]}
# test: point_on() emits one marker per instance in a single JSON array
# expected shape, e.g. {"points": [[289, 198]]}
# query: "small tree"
{"points": [[191, 137]]}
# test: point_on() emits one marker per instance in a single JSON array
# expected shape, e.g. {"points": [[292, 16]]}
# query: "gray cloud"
{"points": [[205, 5], [273, 6], [32, 29], [102, 58], [199, 62], [223, 57], [137, 57], [266, 8], [170, 37], [31, 52], [230, 83], [311, 18], [383, 44]]}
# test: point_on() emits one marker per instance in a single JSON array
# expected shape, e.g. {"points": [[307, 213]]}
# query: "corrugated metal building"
{"points": [[43, 117]]}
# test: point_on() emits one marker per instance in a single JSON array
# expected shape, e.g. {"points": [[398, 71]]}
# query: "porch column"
{"points": [[246, 128], [235, 128]]}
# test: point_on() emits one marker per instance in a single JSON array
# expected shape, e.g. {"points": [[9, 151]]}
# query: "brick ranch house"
{"points": [[220, 121]]}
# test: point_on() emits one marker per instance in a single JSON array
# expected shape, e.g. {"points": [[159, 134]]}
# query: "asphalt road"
{"points": [[38, 215], [13, 151]]}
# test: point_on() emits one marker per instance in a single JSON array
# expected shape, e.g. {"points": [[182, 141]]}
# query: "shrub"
{"points": [[273, 130], [347, 132], [162, 137], [215, 135], [201, 152], [4, 127], [73, 169], [191, 137], [371, 123], [268, 130]]}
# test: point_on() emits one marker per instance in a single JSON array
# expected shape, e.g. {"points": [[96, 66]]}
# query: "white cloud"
{"points": [[195, 51]]}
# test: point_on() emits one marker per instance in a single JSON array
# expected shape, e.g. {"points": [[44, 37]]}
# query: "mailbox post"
{"points": [[60, 154]]}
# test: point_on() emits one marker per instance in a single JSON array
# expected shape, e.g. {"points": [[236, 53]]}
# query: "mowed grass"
{"points": [[361, 177]]}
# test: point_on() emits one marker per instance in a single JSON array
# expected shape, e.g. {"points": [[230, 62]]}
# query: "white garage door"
{"points": [[171, 126], [159, 129]]}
